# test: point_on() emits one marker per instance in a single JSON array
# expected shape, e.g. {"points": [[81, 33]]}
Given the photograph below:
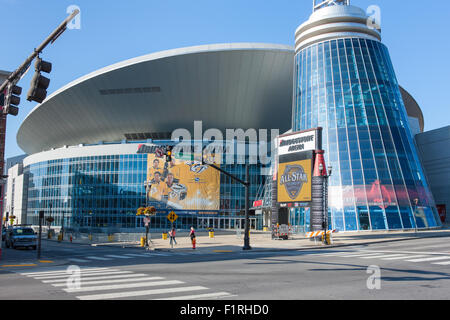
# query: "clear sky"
{"points": [[416, 33]]}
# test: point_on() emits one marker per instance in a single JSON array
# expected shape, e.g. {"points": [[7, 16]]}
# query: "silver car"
{"points": [[21, 237]]}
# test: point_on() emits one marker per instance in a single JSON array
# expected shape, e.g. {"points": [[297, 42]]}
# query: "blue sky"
{"points": [[111, 31]]}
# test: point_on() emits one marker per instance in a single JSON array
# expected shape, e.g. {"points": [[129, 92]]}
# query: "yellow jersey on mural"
{"points": [[187, 185]]}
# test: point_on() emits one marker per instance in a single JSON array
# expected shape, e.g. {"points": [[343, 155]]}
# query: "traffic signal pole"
{"points": [[7, 88], [17, 74], [247, 196]]}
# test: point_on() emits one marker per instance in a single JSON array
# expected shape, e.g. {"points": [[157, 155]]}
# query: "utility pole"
{"points": [[10, 91]]}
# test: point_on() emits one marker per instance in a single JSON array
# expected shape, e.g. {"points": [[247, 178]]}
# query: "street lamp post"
{"points": [[63, 219], [416, 202], [326, 176]]}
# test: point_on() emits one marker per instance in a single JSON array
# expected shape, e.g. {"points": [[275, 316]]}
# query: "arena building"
{"points": [[91, 145]]}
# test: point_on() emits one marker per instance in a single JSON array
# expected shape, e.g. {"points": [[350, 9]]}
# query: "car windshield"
{"points": [[23, 232]]}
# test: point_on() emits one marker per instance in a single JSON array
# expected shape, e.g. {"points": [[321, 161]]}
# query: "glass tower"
{"points": [[345, 83]]}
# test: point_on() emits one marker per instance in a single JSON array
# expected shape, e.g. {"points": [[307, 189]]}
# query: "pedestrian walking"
{"points": [[192, 236], [172, 234]]}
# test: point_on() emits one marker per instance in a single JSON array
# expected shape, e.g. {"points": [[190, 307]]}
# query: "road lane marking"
{"points": [[138, 255], [82, 274], [127, 275], [125, 286], [445, 263], [200, 296], [61, 271], [360, 255], [18, 265], [77, 260], [383, 256], [139, 293], [107, 281], [115, 256], [405, 256], [429, 259], [98, 258], [159, 254]]}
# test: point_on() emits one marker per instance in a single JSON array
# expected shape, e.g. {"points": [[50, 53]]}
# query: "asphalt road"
{"points": [[412, 269]]}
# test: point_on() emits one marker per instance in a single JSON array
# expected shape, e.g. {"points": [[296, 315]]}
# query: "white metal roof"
{"points": [[227, 86]]}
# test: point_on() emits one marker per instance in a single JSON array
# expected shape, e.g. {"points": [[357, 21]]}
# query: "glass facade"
{"points": [[349, 88], [106, 191]]}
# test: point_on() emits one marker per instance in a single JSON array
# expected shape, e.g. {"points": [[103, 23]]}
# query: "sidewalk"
{"points": [[261, 241]]}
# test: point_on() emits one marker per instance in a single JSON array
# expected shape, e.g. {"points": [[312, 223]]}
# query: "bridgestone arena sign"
{"points": [[305, 141]]}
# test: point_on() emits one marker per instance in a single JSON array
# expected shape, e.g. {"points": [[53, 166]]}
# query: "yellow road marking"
{"points": [[220, 251], [45, 261], [18, 265]]}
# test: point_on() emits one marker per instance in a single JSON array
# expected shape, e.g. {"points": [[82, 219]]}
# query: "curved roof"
{"points": [[227, 86], [412, 108]]}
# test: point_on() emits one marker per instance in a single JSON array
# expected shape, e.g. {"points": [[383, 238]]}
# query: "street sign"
{"points": [[146, 221], [172, 216]]}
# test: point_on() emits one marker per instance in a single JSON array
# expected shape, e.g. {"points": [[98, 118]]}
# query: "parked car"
{"points": [[21, 237]]}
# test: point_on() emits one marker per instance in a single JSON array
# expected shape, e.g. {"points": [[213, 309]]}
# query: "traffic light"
{"points": [[39, 83], [169, 153], [12, 100]]}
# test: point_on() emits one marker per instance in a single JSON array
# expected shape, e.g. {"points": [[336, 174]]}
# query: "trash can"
{"points": [[164, 235], [265, 229], [211, 233], [60, 237]]}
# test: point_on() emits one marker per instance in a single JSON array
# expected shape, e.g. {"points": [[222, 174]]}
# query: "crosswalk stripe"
{"points": [[60, 271], [119, 257], [77, 260], [445, 263], [107, 281], [66, 274], [159, 254], [140, 293], [404, 257], [125, 275], [199, 296], [336, 253], [382, 256], [429, 259], [98, 258], [125, 286], [137, 254], [82, 274], [360, 255]]}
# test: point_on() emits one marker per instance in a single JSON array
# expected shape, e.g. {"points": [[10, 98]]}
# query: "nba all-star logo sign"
{"points": [[292, 179]]}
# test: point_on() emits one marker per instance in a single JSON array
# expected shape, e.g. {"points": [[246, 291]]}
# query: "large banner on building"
{"points": [[182, 184], [294, 181]]}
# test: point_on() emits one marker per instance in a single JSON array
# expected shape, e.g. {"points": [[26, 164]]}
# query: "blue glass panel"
{"points": [[350, 219], [363, 214], [393, 217], [407, 217], [338, 219], [377, 218]]}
